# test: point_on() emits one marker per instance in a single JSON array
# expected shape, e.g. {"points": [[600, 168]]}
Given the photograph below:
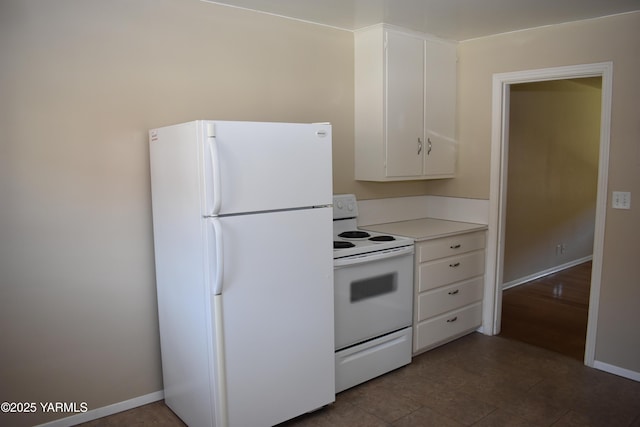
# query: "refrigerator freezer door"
{"points": [[252, 167], [277, 314]]}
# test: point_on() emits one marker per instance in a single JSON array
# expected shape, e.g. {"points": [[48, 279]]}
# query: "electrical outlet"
{"points": [[621, 200], [561, 248]]}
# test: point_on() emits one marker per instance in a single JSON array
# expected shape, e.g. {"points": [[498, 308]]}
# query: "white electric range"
{"points": [[373, 294]]}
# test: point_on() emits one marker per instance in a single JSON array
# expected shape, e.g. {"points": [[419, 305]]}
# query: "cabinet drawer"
{"points": [[448, 298], [450, 246], [448, 326], [449, 270]]}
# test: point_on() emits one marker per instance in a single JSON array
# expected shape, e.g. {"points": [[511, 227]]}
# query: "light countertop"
{"points": [[425, 228]]}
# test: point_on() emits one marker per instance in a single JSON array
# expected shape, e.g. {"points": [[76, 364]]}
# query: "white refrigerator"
{"points": [[244, 269]]}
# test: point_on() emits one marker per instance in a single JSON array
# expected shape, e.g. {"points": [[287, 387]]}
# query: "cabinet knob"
{"points": [[429, 146], [457, 264], [456, 246], [453, 319], [454, 292], [419, 145]]}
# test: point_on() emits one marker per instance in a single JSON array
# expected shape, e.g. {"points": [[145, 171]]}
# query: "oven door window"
{"points": [[372, 298], [373, 287]]}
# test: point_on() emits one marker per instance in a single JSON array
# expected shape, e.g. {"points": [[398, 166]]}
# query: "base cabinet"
{"points": [[449, 288]]}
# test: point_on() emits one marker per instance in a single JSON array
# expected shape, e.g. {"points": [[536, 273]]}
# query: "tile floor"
{"points": [[474, 381]]}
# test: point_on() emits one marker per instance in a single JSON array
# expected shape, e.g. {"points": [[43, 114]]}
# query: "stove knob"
{"points": [[351, 207], [339, 204]]}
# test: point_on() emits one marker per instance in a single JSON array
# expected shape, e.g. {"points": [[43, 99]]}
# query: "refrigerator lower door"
{"points": [[277, 314]]}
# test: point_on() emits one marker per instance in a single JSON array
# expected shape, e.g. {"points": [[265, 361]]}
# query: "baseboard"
{"points": [[616, 370], [104, 411], [546, 272]]}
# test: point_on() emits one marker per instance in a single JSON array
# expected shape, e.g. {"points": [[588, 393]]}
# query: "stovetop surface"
{"points": [[342, 232], [356, 241]]}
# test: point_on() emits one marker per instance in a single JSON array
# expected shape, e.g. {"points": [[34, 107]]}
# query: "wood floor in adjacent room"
{"points": [[550, 312]]}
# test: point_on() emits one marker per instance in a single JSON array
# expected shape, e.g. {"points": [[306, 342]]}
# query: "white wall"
{"points": [[81, 82]]}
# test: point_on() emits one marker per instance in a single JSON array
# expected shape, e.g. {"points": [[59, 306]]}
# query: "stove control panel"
{"points": [[345, 206]]}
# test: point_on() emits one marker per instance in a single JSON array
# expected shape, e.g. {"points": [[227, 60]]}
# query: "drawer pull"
{"points": [[453, 319], [457, 264], [454, 292], [458, 246]]}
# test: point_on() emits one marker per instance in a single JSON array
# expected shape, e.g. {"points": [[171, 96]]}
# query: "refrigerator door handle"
{"points": [[215, 172], [216, 289], [221, 370]]}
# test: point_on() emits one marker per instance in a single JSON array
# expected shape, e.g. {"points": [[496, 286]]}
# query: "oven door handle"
{"points": [[377, 256]]}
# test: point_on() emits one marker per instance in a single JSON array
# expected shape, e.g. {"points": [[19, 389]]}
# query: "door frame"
{"points": [[492, 311]]}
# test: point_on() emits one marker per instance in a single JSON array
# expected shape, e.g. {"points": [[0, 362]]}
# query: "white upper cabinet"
{"points": [[405, 99]]}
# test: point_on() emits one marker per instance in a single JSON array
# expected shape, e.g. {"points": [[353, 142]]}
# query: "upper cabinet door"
{"points": [[440, 109], [404, 94]]}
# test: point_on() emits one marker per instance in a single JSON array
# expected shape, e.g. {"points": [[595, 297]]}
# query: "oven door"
{"points": [[373, 295]]}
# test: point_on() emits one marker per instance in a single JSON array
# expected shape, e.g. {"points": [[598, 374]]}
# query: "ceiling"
{"points": [[449, 19]]}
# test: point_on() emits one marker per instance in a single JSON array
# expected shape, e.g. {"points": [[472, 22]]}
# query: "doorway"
{"points": [[498, 194], [551, 189]]}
